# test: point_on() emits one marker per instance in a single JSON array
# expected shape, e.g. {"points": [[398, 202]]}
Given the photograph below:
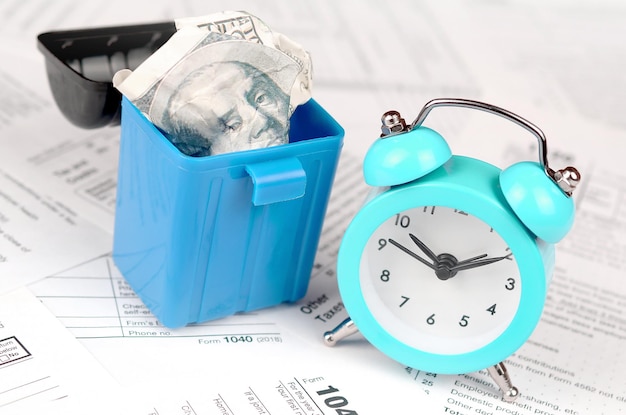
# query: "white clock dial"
{"points": [[440, 280]]}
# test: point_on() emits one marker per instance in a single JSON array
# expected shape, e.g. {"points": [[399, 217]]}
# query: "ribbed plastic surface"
{"points": [[203, 238]]}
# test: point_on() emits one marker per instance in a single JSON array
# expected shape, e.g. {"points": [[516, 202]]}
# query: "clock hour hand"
{"points": [[411, 253], [421, 245]]}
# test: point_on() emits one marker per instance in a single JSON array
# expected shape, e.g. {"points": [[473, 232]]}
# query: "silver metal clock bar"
{"points": [[467, 103], [497, 372], [567, 178], [343, 330], [501, 376]]}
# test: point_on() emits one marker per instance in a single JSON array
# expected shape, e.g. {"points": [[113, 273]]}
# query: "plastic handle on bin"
{"points": [[277, 180]]}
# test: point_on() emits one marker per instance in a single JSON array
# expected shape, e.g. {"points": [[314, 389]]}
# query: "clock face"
{"points": [[440, 280]]}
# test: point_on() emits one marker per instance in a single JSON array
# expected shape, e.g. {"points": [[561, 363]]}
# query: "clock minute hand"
{"points": [[472, 259], [411, 253], [478, 263]]}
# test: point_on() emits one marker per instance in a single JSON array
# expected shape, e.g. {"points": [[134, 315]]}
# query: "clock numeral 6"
{"points": [[431, 319], [464, 321]]}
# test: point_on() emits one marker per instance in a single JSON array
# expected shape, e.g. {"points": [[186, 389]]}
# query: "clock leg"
{"points": [[344, 329], [501, 376]]}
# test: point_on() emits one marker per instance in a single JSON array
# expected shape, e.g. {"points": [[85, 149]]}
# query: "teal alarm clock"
{"points": [[445, 268]]}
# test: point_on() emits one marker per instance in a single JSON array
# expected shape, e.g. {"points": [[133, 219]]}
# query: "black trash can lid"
{"points": [[80, 65]]}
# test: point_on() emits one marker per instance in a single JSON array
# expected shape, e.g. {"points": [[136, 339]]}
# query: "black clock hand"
{"points": [[465, 261], [421, 245], [413, 254], [477, 263]]}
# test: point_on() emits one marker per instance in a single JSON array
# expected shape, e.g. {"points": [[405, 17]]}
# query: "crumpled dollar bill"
{"points": [[223, 82]]}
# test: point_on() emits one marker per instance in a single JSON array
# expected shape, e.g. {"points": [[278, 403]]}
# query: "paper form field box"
{"points": [[199, 238], [11, 350]]}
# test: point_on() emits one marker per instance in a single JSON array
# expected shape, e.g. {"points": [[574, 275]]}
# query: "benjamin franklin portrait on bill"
{"points": [[226, 96]]}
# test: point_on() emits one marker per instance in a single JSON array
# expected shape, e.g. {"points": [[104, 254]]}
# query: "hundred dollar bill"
{"points": [[213, 91], [245, 26]]}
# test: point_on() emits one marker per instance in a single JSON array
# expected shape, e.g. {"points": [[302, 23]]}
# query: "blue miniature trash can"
{"points": [[199, 238]]}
